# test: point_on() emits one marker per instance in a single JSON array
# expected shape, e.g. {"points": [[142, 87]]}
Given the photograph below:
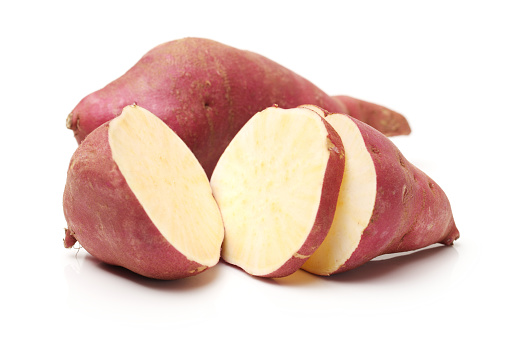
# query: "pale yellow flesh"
{"points": [[268, 185], [355, 202], [169, 183]]}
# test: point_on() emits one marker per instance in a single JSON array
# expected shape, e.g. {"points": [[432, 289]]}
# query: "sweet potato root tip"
{"points": [[453, 235], [68, 121], [69, 239], [387, 121]]}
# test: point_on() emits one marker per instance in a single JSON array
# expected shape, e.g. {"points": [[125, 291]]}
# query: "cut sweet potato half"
{"points": [[137, 197]]}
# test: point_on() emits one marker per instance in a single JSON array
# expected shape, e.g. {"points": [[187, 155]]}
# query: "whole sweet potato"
{"points": [[206, 91]]}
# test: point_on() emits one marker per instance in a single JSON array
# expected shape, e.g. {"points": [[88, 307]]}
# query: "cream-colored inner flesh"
{"points": [[169, 183], [268, 185], [355, 202]]}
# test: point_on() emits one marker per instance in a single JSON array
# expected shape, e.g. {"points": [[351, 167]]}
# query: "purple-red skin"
{"points": [[325, 215], [106, 218], [411, 211], [389, 122], [205, 91]]}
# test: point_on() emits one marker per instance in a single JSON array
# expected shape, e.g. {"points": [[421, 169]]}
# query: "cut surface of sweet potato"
{"points": [[276, 185], [169, 183], [355, 202]]}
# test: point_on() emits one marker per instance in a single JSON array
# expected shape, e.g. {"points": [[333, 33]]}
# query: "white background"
{"points": [[443, 64]]}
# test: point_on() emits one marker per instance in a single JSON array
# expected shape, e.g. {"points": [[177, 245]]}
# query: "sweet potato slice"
{"points": [[276, 185]]}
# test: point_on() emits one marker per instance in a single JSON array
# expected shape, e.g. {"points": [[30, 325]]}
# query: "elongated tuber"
{"points": [[206, 91]]}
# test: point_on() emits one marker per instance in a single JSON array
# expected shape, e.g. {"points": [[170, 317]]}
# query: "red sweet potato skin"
{"points": [[204, 90], [331, 185], [411, 211], [389, 122], [105, 217]]}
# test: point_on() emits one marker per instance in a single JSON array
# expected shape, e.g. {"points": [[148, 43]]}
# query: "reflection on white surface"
{"points": [[115, 292], [391, 286], [386, 284]]}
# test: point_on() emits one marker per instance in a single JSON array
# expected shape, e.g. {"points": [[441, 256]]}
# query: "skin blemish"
{"points": [[405, 195], [331, 146], [68, 121], [401, 161], [73, 162], [198, 270], [300, 256]]}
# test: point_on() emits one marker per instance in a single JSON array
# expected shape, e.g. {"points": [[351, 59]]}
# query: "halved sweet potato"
{"points": [[137, 197]]}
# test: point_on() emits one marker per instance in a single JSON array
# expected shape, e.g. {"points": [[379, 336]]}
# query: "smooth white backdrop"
{"points": [[443, 64]]}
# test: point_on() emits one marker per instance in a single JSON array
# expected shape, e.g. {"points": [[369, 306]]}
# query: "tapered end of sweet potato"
{"points": [[72, 123], [452, 236], [92, 111], [68, 121], [69, 239], [385, 120]]}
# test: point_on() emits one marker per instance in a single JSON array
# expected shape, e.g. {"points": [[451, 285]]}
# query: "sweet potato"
{"points": [[137, 197], [385, 204], [206, 91], [277, 185]]}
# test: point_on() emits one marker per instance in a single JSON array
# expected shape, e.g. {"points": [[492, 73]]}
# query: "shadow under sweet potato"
{"points": [[182, 285], [389, 265]]}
